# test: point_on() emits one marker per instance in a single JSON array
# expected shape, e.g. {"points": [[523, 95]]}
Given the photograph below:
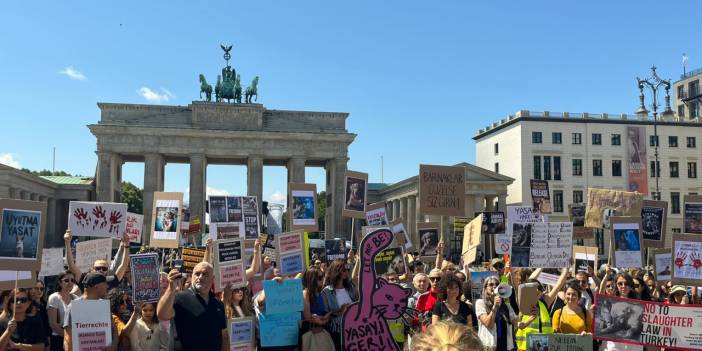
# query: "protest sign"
{"points": [[165, 220], [428, 233], [252, 227], [391, 261], [653, 218], [471, 239], [542, 245], [548, 279], [569, 342], [647, 323], [226, 230], [576, 214], [229, 266], [91, 324], [87, 252], [98, 219], [191, 257], [223, 209], [145, 277], [22, 228], [26, 280], [518, 215], [241, 333], [626, 239], [402, 238], [356, 193], [585, 257], [335, 250], [376, 214], [692, 214], [538, 342], [51, 262], [528, 298], [283, 297], [477, 280], [303, 206], [623, 203], [687, 259], [134, 226], [279, 329], [493, 222], [540, 196], [291, 257], [442, 190], [663, 264]]}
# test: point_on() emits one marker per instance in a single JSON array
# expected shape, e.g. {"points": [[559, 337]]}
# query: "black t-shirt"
{"points": [[199, 325], [28, 331], [464, 312]]}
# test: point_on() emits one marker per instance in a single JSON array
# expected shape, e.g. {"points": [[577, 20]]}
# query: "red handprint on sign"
{"points": [[81, 217], [680, 260], [696, 262], [115, 220], [100, 218]]}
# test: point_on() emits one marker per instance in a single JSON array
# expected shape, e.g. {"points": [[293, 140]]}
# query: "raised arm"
{"points": [[72, 266], [208, 251], [551, 296], [439, 255], [164, 310], [117, 259], [124, 244], [536, 273], [605, 279], [256, 262]]}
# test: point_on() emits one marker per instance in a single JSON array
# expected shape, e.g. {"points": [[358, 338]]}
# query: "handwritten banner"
{"points": [[624, 203], [519, 215], [241, 333], [87, 252], [471, 239], [542, 245], [229, 264], [135, 224], [279, 329], [687, 259], [145, 277], [442, 190], [291, 256], [51, 262], [283, 297], [101, 219]]}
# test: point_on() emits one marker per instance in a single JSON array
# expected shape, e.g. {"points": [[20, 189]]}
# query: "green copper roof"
{"points": [[377, 186], [69, 180]]}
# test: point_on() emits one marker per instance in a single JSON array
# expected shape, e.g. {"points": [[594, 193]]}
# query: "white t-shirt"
{"points": [[342, 297], [56, 302], [489, 335]]}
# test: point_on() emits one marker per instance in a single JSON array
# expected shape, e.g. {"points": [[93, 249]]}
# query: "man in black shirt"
{"points": [[198, 315], [99, 266]]}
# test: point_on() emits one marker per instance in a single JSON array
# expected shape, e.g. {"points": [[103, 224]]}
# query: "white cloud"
{"points": [[153, 96], [8, 159], [277, 197], [73, 73], [216, 192]]}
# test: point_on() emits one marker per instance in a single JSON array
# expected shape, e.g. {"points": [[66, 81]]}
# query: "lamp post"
{"points": [[653, 83]]}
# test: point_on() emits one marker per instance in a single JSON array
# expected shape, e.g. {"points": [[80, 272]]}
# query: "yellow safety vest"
{"points": [[546, 327]]}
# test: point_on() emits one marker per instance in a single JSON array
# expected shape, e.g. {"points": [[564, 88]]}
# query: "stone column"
{"points": [[153, 181], [24, 194], [420, 217], [296, 170], [395, 209], [502, 203], [336, 225], [388, 210], [116, 177], [198, 188], [412, 219], [104, 182], [5, 192], [34, 197], [470, 206], [53, 239], [254, 178], [14, 193], [478, 201], [403, 211]]}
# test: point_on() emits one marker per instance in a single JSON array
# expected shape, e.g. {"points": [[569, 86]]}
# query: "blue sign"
{"points": [[280, 329], [292, 264], [283, 297]]}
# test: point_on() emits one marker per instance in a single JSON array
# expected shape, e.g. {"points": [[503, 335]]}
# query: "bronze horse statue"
{"points": [[205, 88], [252, 90]]}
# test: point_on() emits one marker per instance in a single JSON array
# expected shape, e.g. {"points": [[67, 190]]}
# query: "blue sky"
{"points": [[418, 78]]}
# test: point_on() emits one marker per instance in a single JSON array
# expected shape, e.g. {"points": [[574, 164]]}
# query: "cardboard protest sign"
{"points": [[692, 214], [134, 226], [585, 257], [471, 239], [280, 329], [477, 280], [335, 249], [356, 193], [283, 297], [558, 342], [576, 214], [91, 324], [663, 264], [87, 252], [26, 280], [647, 323], [51, 262], [226, 230], [428, 233], [539, 342], [442, 190], [540, 196], [303, 205], [291, 256], [376, 214], [599, 201], [241, 333], [191, 257], [145, 277], [653, 218], [228, 257], [542, 245], [687, 259], [100, 219], [165, 225], [391, 261], [362, 325], [529, 298], [515, 215], [627, 242], [22, 229], [493, 222], [548, 279], [252, 226], [402, 238]]}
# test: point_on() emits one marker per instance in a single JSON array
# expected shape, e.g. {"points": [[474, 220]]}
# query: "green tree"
{"points": [[46, 172], [133, 196]]}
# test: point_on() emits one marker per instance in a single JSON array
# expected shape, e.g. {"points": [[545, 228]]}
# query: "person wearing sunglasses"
{"points": [[38, 297], [57, 306], [339, 293], [426, 301], [237, 303], [99, 266], [19, 329], [496, 318]]}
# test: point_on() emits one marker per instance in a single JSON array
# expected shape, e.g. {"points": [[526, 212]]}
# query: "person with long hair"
{"points": [[623, 287], [315, 314], [447, 336], [120, 306], [148, 334], [678, 295], [572, 318], [20, 328], [38, 296], [237, 303], [450, 307], [339, 293], [57, 306], [496, 318]]}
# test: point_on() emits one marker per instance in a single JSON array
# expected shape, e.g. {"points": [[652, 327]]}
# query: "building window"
{"points": [[674, 172], [577, 167], [497, 149], [536, 137], [577, 138], [537, 167], [693, 88], [691, 142], [675, 203], [596, 139], [656, 195], [692, 169], [547, 167], [558, 200], [672, 141], [681, 91], [556, 138], [556, 168], [676, 230], [577, 196], [497, 167], [693, 109], [681, 110], [599, 241], [653, 169], [616, 168], [616, 139], [653, 140], [597, 168]]}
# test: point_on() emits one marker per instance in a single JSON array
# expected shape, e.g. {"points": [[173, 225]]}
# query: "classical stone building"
{"points": [[485, 191], [205, 133]]}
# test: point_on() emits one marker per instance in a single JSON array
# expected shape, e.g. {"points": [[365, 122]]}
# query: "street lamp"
{"points": [[653, 83]]}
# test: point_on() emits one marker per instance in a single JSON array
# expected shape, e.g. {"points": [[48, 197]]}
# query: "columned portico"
{"points": [[154, 165], [296, 170], [337, 226], [198, 179], [254, 177]]}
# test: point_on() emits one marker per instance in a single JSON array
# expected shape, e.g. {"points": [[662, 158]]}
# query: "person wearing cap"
{"points": [[95, 285], [678, 295], [99, 266]]}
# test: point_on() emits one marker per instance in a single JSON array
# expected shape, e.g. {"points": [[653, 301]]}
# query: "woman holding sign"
{"points": [[19, 330]]}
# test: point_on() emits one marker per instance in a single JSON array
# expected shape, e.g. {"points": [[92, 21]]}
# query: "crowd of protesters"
{"points": [[447, 314]]}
